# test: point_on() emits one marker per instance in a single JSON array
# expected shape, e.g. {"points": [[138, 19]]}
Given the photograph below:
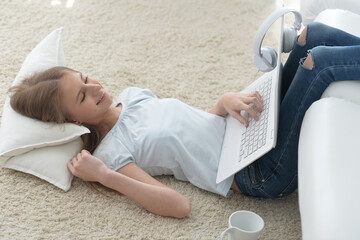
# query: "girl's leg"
{"points": [[315, 34], [275, 174]]}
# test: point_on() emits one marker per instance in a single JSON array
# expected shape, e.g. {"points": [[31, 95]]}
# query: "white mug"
{"points": [[244, 225]]}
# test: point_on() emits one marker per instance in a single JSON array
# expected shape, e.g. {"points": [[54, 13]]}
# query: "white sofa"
{"points": [[329, 147]]}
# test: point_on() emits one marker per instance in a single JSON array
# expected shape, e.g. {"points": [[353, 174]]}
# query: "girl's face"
{"points": [[83, 99]]}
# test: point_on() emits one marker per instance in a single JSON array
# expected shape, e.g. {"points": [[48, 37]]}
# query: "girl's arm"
{"points": [[133, 182], [234, 103]]}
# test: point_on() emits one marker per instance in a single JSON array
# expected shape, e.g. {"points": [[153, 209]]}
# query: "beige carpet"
{"points": [[193, 50]]}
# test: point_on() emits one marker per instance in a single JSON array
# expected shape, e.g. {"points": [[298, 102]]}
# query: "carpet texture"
{"points": [[191, 50]]}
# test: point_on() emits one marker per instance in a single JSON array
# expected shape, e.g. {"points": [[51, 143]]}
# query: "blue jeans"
{"points": [[336, 56]]}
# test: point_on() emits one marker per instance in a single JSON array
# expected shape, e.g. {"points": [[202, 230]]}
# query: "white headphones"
{"points": [[265, 58]]}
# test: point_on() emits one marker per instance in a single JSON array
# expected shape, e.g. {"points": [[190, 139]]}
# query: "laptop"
{"points": [[241, 145]]}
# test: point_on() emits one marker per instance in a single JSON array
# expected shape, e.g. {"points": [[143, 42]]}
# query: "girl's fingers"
{"points": [[255, 99], [240, 118], [250, 110]]}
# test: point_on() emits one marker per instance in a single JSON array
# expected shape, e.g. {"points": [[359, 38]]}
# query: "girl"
{"points": [[141, 136]]}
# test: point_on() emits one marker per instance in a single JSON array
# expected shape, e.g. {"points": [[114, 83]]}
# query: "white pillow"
{"points": [[32, 146]]}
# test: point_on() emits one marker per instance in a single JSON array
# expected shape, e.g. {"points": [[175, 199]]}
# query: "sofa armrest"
{"points": [[348, 90], [310, 9], [342, 19], [329, 163]]}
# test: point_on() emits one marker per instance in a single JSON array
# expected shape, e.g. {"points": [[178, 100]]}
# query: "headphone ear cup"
{"points": [[289, 39], [267, 61]]}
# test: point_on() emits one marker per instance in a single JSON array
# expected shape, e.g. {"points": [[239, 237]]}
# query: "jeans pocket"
{"points": [[256, 175], [275, 187]]}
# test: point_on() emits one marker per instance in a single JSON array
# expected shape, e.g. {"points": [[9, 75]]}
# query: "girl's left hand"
{"points": [[234, 103]]}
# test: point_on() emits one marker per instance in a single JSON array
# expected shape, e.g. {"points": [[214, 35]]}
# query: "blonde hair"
{"points": [[38, 96]]}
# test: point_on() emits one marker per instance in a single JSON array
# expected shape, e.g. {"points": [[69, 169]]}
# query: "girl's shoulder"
{"points": [[133, 95], [113, 152]]}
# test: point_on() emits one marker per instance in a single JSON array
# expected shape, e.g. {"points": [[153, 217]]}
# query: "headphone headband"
{"points": [[260, 34]]}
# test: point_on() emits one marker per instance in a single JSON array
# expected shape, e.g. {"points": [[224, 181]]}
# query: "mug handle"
{"points": [[229, 230]]}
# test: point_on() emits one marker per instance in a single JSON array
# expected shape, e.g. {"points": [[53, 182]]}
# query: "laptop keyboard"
{"points": [[254, 136]]}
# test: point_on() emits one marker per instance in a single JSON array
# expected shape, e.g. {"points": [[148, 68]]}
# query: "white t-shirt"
{"points": [[166, 137]]}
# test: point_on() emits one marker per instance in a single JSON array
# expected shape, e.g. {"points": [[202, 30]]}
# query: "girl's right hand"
{"points": [[133, 182], [87, 167]]}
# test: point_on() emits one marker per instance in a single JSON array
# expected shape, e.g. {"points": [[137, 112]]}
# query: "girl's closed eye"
{"points": [[84, 95]]}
